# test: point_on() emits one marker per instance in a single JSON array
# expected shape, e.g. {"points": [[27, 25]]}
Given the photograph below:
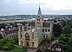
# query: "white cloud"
{"points": [[31, 6], [4, 1], [27, 2], [53, 4]]}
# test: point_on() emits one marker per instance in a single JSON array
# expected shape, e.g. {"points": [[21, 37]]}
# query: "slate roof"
{"points": [[39, 12], [32, 24], [46, 24], [7, 31]]}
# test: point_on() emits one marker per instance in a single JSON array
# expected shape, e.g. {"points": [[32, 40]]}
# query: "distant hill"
{"points": [[33, 16], [18, 16]]}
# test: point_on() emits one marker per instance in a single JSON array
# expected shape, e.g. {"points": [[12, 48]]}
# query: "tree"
{"points": [[52, 38], [2, 25], [63, 23], [55, 50], [67, 29], [46, 40], [63, 39], [39, 50], [66, 41], [68, 46], [57, 30], [16, 40], [15, 25], [46, 50], [1, 36], [11, 23], [6, 43]]}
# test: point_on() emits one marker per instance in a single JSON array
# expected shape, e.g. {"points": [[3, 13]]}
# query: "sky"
{"points": [[30, 7]]}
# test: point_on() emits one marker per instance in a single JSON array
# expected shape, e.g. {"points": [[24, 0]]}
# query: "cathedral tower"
{"points": [[39, 19]]}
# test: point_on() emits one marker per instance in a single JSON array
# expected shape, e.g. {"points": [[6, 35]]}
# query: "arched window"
{"points": [[27, 44], [48, 30], [27, 37], [21, 43], [42, 30], [45, 30]]}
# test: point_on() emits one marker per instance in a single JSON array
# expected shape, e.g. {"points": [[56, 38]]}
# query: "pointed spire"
{"points": [[39, 12]]}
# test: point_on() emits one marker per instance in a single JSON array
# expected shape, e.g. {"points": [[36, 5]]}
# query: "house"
{"points": [[9, 32], [57, 47]]}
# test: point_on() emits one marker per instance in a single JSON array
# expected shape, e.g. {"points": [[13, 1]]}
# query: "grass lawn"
{"points": [[16, 49]]}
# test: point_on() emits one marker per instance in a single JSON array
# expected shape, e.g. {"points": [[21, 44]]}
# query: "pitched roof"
{"points": [[32, 24], [39, 12], [46, 24]]}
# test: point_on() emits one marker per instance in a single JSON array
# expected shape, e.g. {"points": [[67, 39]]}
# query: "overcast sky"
{"points": [[50, 7]]}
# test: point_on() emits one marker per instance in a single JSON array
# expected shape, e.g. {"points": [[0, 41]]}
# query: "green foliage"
{"points": [[67, 29], [68, 46], [63, 39], [63, 23], [6, 43], [69, 22], [16, 40], [67, 35], [46, 50], [16, 49], [52, 38], [46, 40], [57, 30], [66, 41], [55, 50], [1, 36], [2, 25], [39, 50]]}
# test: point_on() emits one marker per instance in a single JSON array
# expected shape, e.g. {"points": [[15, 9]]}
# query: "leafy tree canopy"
{"points": [[67, 29], [57, 30], [6, 43], [68, 46], [39, 50]]}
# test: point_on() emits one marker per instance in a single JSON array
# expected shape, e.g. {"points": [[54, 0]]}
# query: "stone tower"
{"points": [[39, 19]]}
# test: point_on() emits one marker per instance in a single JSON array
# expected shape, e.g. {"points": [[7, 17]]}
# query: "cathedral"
{"points": [[31, 34]]}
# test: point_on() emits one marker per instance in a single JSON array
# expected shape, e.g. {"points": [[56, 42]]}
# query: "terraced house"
{"points": [[32, 34]]}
